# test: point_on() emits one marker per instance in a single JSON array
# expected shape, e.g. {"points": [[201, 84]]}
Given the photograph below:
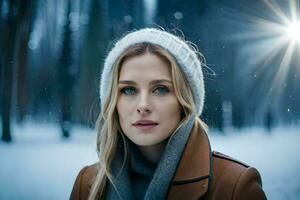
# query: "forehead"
{"points": [[146, 66]]}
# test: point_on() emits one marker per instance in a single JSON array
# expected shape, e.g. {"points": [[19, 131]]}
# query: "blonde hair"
{"points": [[108, 127]]}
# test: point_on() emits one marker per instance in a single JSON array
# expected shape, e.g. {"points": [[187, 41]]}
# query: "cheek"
{"points": [[170, 108], [123, 108], [120, 108]]}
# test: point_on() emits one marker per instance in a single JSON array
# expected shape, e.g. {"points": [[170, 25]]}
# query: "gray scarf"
{"points": [[162, 176]]}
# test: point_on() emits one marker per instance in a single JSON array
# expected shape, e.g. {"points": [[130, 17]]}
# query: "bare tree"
{"points": [[15, 33], [9, 30], [26, 14]]}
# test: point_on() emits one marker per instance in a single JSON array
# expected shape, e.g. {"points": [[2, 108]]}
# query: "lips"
{"points": [[144, 124]]}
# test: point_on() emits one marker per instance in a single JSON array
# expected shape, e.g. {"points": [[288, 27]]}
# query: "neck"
{"points": [[153, 153]]}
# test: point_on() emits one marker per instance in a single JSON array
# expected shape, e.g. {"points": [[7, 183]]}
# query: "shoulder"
{"points": [[226, 169], [220, 157], [226, 166], [84, 181], [235, 179]]}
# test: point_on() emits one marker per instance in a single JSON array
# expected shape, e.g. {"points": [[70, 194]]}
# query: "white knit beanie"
{"points": [[184, 55]]}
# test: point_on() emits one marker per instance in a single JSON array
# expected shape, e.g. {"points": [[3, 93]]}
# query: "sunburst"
{"points": [[271, 45], [287, 30]]}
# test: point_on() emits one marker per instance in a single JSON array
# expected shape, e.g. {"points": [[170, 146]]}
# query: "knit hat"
{"points": [[187, 59]]}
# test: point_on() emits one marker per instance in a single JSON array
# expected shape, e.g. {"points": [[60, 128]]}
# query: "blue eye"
{"points": [[128, 91], [161, 90]]}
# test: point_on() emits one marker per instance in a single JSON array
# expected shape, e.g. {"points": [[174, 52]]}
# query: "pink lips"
{"points": [[144, 124]]}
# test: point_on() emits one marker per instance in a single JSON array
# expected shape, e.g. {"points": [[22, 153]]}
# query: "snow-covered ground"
{"points": [[40, 165]]}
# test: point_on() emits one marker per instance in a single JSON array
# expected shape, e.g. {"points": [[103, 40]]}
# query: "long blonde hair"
{"points": [[108, 127]]}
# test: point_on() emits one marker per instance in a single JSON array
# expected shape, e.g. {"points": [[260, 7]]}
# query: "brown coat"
{"points": [[201, 174]]}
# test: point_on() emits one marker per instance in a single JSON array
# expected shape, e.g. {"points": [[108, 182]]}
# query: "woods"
{"points": [[52, 54]]}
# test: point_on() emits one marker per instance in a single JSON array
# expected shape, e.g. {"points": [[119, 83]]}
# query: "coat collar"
{"points": [[193, 175]]}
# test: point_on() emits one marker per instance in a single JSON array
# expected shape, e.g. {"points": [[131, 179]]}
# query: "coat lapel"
{"points": [[192, 177]]}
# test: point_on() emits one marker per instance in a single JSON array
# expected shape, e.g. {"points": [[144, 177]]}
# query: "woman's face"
{"points": [[148, 109]]}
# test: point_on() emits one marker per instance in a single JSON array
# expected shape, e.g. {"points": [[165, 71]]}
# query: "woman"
{"points": [[151, 142]]}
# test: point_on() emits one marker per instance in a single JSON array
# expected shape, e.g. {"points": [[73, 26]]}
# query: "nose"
{"points": [[143, 110], [143, 106]]}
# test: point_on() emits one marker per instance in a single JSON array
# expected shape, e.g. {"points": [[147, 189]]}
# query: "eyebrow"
{"points": [[151, 83]]}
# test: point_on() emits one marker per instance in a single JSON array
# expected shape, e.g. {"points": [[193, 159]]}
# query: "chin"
{"points": [[145, 141]]}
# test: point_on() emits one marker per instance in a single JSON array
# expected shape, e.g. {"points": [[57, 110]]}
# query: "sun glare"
{"points": [[273, 39], [294, 31]]}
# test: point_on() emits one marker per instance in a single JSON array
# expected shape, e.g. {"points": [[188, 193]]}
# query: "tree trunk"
{"points": [[9, 38], [66, 79], [23, 36], [15, 29]]}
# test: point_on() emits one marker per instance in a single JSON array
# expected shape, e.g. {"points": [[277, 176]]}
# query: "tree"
{"points": [[65, 77], [9, 30], [26, 14], [15, 26]]}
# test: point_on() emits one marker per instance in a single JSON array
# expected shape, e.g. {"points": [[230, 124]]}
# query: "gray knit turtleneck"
{"points": [[141, 172]]}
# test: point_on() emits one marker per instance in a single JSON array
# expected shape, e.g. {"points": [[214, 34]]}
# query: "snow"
{"points": [[39, 164]]}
